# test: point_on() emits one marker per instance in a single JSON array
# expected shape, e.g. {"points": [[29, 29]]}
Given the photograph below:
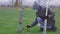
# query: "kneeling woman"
{"points": [[40, 18]]}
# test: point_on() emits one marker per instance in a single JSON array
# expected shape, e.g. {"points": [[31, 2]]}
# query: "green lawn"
{"points": [[9, 21]]}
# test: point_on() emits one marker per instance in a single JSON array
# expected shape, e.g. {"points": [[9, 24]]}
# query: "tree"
{"points": [[16, 3], [20, 17]]}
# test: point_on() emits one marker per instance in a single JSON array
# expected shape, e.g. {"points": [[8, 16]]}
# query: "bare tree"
{"points": [[21, 17]]}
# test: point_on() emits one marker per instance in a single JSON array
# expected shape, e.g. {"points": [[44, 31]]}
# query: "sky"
{"points": [[52, 2], [3, 2], [30, 2]]}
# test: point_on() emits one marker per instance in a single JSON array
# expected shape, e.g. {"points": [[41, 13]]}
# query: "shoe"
{"points": [[54, 29], [41, 30]]}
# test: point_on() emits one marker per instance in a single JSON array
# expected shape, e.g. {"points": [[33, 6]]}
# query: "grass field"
{"points": [[9, 21]]}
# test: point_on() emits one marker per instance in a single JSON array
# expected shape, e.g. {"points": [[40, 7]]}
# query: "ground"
{"points": [[9, 21]]}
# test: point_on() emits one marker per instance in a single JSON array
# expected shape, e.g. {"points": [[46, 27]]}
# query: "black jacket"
{"points": [[41, 13]]}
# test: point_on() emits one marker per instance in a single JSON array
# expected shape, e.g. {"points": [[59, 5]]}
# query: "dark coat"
{"points": [[41, 13]]}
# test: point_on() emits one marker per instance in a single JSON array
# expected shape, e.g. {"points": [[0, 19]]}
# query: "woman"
{"points": [[40, 18]]}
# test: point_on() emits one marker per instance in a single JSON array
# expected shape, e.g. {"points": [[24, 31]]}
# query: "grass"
{"points": [[9, 21]]}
